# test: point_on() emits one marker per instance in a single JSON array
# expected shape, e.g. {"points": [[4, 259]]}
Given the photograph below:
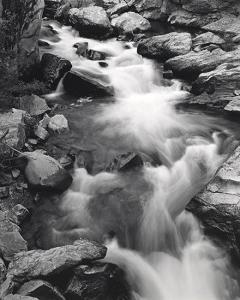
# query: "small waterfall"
{"points": [[171, 258]]}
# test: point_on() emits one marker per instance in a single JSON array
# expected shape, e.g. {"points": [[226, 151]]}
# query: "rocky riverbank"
{"points": [[207, 58]]}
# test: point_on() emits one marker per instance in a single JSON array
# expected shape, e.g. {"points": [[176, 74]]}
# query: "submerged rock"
{"points": [[53, 69], [87, 83], [131, 22], [90, 21], [125, 162], [45, 173], [98, 281], [165, 46], [41, 264], [40, 289]]}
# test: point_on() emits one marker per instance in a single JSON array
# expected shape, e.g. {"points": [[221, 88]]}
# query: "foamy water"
{"points": [[171, 259]]}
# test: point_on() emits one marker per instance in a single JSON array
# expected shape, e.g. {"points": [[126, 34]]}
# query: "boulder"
{"points": [[45, 173], [118, 9], [33, 105], [108, 4], [206, 6], [12, 122], [193, 63], [58, 123], [98, 281], [90, 21], [86, 83], [165, 46], [40, 289], [39, 263], [233, 105], [217, 206], [131, 22], [224, 77], [81, 48], [226, 25], [53, 69], [205, 39]]}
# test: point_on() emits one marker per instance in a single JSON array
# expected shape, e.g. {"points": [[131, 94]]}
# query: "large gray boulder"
{"points": [[45, 173], [131, 22], [193, 63], [226, 25], [41, 264], [165, 46], [40, 289], [87, 83], [217, 206], [53, 68], [90, 21]]}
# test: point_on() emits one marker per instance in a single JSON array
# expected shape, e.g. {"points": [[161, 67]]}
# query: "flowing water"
{"points": [[160, 246]]}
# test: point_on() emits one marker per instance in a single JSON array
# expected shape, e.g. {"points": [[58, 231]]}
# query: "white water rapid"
{"points": [[171, 259]]}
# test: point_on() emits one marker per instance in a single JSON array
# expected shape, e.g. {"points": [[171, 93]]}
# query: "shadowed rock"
{"points": [[39, 263]]}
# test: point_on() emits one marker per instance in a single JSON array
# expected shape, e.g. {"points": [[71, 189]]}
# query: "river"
{"points": [[140, 215]]}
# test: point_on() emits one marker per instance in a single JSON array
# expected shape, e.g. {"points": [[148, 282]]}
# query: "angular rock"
{"points": [[131, 22], [39, 263], [41, 132], [118, 9], [225, 77], [33, 104], [86, 83], [11, 243], [18, 214], [53, 69], [165, 46], [81, 48], [107, 4], [194, 63], [125, 162], [205, 6], [233, 105], [206, 39], [3, 271], [13, 123], [58, 123], [217, 206], [226, 25], [45, 173], [99, 281], [90, 21], [40, 289], [7, 287]]}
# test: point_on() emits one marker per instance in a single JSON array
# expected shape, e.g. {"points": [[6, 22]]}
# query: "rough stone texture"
{"points": [[53, 69], [165, 46], [86, 83], [18, 297], [33, 104], [3, 271], [125, 162], [11, 241], [206, 39], [28, 51], [193, 63], [51, 7], [224, 77], [40, 289], [39, 263], [217, 206], [58, 123], [13, 121], [226, 25], [44, 172], [131, 22], [99, 281], [90, 21], [118, 9]]}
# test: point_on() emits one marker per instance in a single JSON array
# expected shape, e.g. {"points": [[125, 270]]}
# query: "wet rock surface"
{"points": [[53, 69], [130, 22], [165, 46]]}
